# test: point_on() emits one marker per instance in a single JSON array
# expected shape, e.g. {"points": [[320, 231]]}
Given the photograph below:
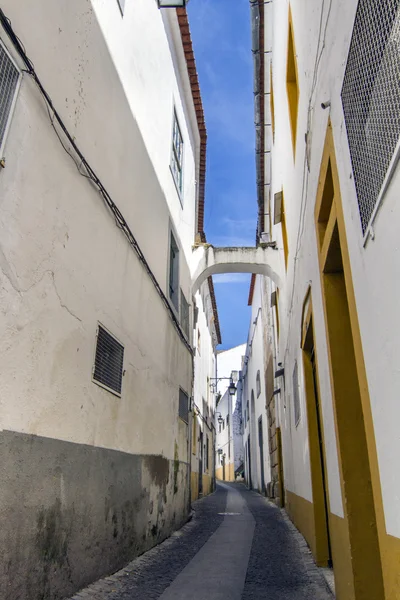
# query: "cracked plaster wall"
{"points": [[64, 267]]}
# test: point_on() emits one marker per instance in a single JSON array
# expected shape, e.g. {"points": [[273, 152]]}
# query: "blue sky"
{"points": [[222, 45]]}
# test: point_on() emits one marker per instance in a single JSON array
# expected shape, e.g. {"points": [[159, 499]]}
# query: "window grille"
{"points": [[109, 359], [296, 397], [371, 98], [184, 313], [9, 78], [177, 154], [183, 406]]}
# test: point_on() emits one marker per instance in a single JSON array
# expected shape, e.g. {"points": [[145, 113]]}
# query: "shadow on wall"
{"points": [[72, 513]]}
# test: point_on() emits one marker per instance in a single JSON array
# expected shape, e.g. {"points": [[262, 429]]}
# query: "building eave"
{"points": [[198, 106], [251, 290]]}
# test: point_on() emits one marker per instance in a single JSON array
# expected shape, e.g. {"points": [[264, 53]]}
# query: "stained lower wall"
{"points": [[70, 513], [229, 473]]}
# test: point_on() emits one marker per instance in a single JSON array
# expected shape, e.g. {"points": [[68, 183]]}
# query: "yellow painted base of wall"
{"points": [[194, 486], [194, 481], [229, 472], [301, 512], [207, 484], [391, 567]]}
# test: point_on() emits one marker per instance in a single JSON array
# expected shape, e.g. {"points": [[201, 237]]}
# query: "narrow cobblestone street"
{"points": [[237, 546]]}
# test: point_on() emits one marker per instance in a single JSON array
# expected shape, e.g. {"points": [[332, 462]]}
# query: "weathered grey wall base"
{"points": [[70, 513]]}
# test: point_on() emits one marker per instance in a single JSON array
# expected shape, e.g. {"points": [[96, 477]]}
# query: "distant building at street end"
{"points": [[229, 363]]}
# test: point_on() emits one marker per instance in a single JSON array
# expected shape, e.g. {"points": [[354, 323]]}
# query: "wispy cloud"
{"points": [[231, 278]]}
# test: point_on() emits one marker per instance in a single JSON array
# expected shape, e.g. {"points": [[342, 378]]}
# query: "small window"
{"points": [[280, 217], [258, 383], [207, 453], [174, 271], [296, 398], [247, 410], [278, 207], [9, 80], [177, 155], [184, 314], [183, 405], [220, 428], [121, 4], [198, 341], [292, 83], [108, 364], [227, 420]]}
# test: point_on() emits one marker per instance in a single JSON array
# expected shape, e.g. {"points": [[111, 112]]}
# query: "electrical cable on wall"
{"points": [[88, 172]]}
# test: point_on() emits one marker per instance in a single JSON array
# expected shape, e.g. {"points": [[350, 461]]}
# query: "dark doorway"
{"points": [[201, 464], [249, 461], [261, 447]]}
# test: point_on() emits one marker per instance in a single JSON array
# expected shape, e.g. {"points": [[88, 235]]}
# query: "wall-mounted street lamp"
{"points": [[220, 419], [172, 3], [231, 387]]}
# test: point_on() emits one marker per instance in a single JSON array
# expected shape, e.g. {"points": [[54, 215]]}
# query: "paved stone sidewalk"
{"points": [[253, 554]]}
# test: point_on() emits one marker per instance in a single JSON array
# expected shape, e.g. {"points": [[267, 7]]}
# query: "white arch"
{"points": [[207, 260]]}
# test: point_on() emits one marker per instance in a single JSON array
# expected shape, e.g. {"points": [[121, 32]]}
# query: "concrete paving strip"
{"points": [[218, 571]]}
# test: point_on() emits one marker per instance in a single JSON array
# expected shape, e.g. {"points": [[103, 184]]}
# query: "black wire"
{"points": [[118, 216]]}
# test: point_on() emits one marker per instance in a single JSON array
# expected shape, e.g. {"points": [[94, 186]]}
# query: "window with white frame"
{"points": [[9, 81], [177, 155], [173, 282], [184, 315]]}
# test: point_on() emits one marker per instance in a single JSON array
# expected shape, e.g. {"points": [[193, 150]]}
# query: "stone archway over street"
{"points": [[208, 260]]}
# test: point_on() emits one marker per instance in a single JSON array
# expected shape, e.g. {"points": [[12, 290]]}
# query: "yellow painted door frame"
{"points": [[360, 483], [322, 543]]}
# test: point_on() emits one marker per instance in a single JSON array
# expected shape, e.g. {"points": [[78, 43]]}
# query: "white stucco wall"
{"points": [[65, 265], [253, 364], [204, 373], [374, 266], [224, 433], [228, 361]]}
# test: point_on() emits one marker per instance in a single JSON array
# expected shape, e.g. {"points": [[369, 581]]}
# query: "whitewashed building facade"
{"points": [[102, 147], [328, 128]]}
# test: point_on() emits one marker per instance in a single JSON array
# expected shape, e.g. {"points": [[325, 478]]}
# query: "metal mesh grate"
{"points": [[109, 361], [371, 98], [9, 76], [183, 406]]}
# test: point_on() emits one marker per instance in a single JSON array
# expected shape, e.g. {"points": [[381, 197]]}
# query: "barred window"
{"points": [[9, 78], [108, 364], [177, 155], [296, 397], [371, 98], [183, 406], [184, 314]]}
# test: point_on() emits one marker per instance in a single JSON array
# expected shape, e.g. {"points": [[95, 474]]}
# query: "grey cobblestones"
{"points": [[281, 563], [280, 567], [146, 577]]}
